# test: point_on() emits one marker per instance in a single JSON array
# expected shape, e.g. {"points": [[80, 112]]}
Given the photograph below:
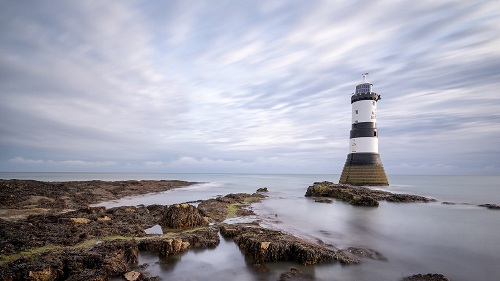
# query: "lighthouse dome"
{"points": [[364, 88]]}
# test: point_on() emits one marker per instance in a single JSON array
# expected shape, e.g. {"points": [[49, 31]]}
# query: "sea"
{"points": [[459, 240]]}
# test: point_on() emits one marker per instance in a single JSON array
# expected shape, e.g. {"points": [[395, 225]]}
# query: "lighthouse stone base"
{"points": [[363, 169]]}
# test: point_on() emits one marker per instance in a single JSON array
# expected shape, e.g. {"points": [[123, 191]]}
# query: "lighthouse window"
{"points": [[356, 111], [374, 134]]}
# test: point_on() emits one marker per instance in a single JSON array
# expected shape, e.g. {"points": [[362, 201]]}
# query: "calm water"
{"points": [[460, 241]]}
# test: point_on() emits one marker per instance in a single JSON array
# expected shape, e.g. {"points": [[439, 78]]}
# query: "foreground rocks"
{"points": [[72, 228], [97, 263], [96, 243], [359, 195], [103, 259], [266, 245]]}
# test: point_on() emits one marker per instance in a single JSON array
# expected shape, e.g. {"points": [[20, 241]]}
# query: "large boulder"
{"points": [[183, 216]]}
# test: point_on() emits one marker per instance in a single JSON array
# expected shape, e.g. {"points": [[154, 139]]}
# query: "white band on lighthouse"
{"points": [[364, 111], [364, 145]]}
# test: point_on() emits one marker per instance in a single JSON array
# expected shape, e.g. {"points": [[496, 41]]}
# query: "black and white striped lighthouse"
{"points": [[363, 165]]}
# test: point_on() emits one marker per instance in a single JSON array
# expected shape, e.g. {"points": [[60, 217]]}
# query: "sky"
{"points": [[247, 86]]}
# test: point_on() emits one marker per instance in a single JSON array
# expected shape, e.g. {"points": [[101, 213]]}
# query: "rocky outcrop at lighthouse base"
{"points": [[359, 195]]}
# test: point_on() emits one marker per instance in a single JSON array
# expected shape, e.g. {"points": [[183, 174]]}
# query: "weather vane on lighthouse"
{"points": [[363, 165], [364, 77]]}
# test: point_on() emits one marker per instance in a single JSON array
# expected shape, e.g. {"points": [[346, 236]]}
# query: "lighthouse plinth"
{"points": [[363, 165]]}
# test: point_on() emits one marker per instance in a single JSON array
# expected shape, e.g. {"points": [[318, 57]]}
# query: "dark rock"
{"points": [[426, 277], [448, 203], [359, 195], [366, 253], [294, 275], [264, 245], [183, 216], [262, 189], [490, 206], [323, 200]]}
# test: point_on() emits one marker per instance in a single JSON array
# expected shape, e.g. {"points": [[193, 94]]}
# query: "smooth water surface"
{"points": [[459, 241]]}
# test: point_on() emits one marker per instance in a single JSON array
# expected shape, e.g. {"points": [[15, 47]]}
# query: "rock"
{"points": [[294, 275], [80, 220], [14, 194], [490, 206], [262, 189], [174, 246], [323, 200], [266, 245], [109, 258], [119, 255], [359, 195], [182, 216], [231, 205], [182, 241], [46, 274], [132, 276], [366, 253], [426, 277]]}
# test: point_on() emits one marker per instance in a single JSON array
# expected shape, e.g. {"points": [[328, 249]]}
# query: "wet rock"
{"points": [[264, 245], [426, 277], [173, 246], [181, 241], [359, 195], [262, 189], [448, 203], [231, 205], [366, 253], [119, 256], [182, 216], [490, 206], [294, 275], [132, 276], [323, 200]]}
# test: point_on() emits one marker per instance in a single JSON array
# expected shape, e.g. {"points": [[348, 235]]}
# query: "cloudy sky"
{"points": [[247, 86]]}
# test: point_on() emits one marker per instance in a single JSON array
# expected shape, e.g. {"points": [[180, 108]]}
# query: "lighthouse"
{"points": [[363, 165]]}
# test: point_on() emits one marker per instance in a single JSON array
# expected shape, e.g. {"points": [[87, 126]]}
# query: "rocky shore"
{"points": [[95, 243], [24, 197]]}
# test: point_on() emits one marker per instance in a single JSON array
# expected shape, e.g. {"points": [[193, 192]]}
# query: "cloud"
{"points": [[61, 163], [247, 86]]}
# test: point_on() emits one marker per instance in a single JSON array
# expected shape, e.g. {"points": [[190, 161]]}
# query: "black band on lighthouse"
{"points": [[365, 96], [362, 133], [363, 159]]}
